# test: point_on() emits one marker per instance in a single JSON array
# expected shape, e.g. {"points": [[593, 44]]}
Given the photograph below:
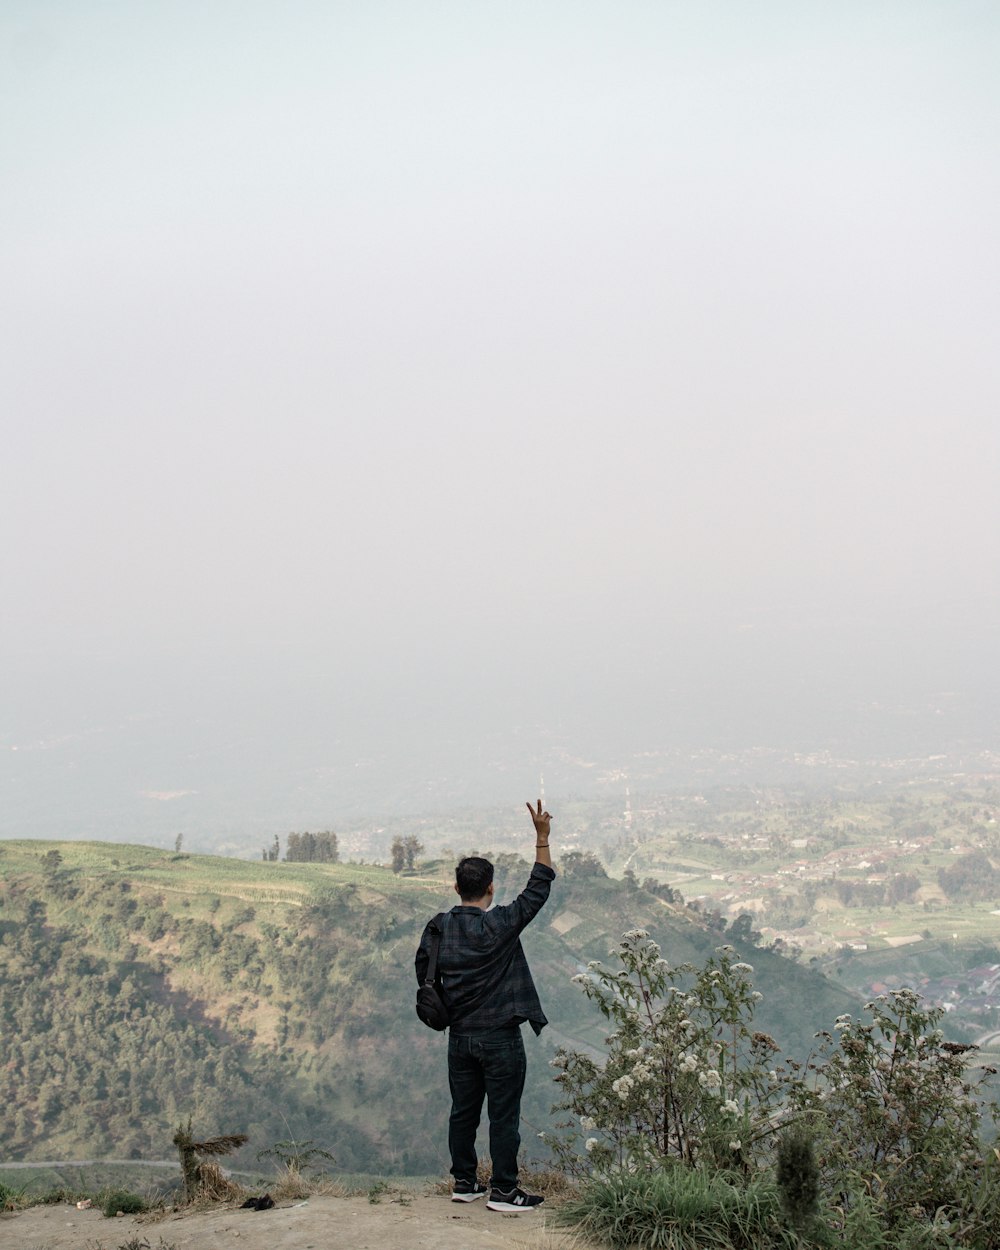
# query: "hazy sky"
{"points": [[425, 359]]}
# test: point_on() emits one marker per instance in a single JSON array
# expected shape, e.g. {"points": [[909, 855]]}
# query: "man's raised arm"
{"points": [[541, 822]]}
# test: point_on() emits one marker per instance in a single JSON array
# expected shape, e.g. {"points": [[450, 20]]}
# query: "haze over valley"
{"points": [[400, 403]]}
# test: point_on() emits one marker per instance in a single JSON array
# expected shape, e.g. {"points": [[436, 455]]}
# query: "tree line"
{"points": [[305, 848]]}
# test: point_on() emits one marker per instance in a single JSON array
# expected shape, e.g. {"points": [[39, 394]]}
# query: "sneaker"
{"points": [[467, 1191], [513, 1200]]}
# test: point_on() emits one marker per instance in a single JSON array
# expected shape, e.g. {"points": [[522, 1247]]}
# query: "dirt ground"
{"points": [[318, 1223]]}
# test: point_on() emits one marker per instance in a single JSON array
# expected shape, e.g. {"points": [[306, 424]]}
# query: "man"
{"points": [[488, 987]]}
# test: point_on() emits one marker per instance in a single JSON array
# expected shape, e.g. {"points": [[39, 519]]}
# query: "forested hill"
{"points": [[138, 988]]}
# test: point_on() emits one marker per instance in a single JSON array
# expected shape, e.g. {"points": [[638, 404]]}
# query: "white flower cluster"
{"points": [[587, 1123], [635, 935], [731, 1107], [590, 1143], [747, 968], [842, 1022], [581, 978], [622, 1087], [689, 1063], [735, 1144], [756, 997], [710, 1080]]}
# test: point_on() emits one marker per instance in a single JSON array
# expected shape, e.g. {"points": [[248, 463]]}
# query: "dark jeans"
{"points": [[491, 1066]]}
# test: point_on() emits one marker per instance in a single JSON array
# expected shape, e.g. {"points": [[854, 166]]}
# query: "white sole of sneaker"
{"points": [[466, 1197], [510, 1209]]}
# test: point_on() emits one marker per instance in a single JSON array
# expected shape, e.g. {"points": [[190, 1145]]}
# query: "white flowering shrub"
{"points": [[881, 1133], [898, 1114], [685, 1077]]}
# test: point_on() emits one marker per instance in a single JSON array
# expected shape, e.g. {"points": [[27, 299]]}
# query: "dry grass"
{"points": [[555, 1185], [289, 1184], [215, 1186]]}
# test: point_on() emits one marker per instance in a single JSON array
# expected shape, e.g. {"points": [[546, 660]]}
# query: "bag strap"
{"points": [[433, 946]]}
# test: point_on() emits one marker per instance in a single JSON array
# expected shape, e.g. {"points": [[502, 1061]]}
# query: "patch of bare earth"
{"points": [[318, 1223]]}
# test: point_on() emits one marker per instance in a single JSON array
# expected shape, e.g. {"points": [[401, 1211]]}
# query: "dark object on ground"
{"points": [[264, 1203]]}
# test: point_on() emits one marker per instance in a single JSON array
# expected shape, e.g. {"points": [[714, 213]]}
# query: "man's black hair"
{"points": [[473, 876]]}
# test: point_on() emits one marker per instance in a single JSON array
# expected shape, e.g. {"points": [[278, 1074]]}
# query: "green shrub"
{"points": [[898, 1118], [673, 1133], [111, 1201]]}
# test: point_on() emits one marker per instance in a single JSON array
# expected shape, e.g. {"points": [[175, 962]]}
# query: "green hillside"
{"points": [[138, 988]]}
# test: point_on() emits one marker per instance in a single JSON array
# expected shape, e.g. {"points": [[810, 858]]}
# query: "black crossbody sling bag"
{"points": [[431, 1006]]}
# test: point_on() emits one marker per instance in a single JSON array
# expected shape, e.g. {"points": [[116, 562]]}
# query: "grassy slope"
{"points": [[276, 999]]}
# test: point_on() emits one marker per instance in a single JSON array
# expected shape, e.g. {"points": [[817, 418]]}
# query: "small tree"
{"points": [[51, 862], [398, 853], [190, 1152], [581, 864], [296, 1156]]}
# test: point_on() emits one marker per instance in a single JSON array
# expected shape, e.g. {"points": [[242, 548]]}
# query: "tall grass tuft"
{"points": [[678, 1209], [798, 1177], [11, 1198]]}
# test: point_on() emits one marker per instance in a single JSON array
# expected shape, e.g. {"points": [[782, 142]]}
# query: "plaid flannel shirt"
{"points": [[481, 963]]}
